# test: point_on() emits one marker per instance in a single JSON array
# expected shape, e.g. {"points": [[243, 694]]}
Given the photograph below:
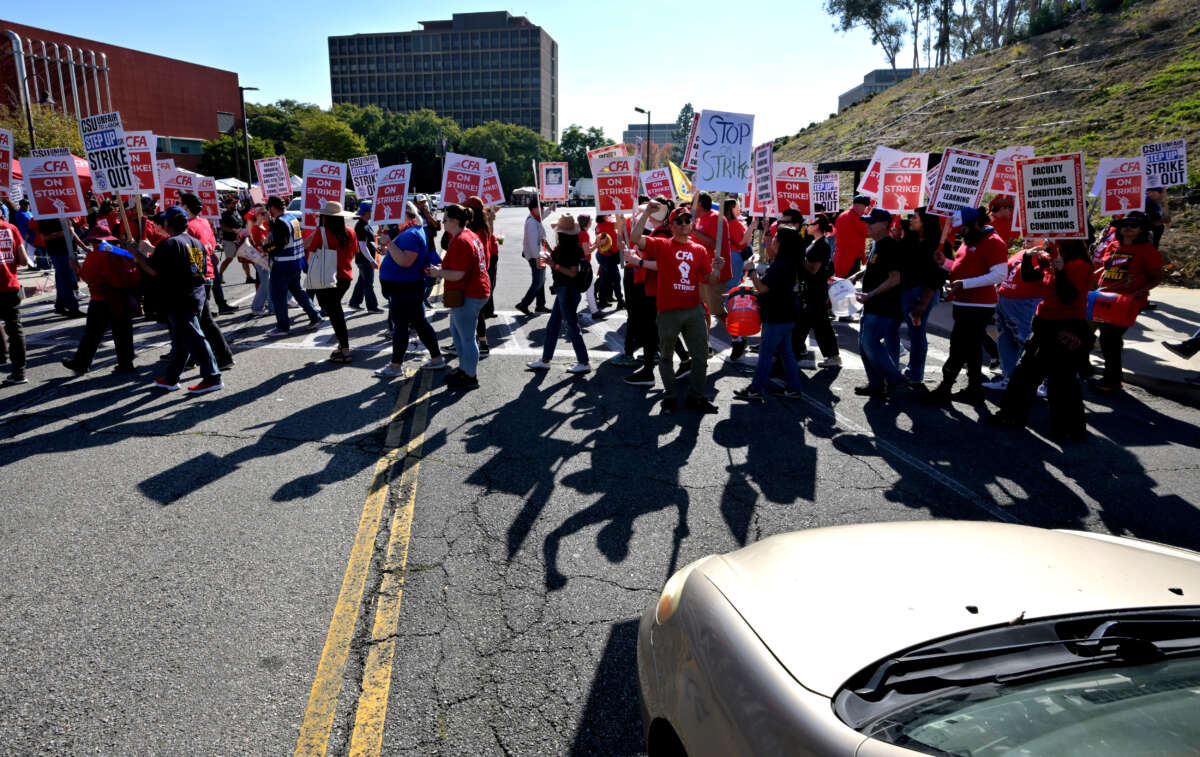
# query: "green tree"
{"points": [[574, 146], [513, 149], [683, 126], [280, 122], [225, 156], [323, 137], [367, 122], [50, 127], [416, 137], [876, 17]]}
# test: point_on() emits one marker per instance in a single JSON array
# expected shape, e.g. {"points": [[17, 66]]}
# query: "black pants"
{"points": [[406, 309], [99, 320], [608, 285], [330, 301], [814, 317], [10, 313], [218, 283], [216, 341], [489, 307], [1053, 352], [1112, 342], [966, 345]]}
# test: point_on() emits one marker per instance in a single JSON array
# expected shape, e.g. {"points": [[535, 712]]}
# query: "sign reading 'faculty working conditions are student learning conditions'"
{"points": [[1050, 197], [961, 182]]}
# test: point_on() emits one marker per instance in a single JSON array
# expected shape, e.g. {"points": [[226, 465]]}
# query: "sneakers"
{"points": [[1106, 387], [642, 377], [483, 347], [278, 332], [460, 380], [805, 355], [433, 364], [623, 361], [227, 310], [162, 383], [125, 368], [788, 394], [700, 405], [523, 309], [749, 395], [449, 351], [71, 365], [1000, 383], [1182, 349], [580, 368], [538, 365], [206, 385], [738, 349], [388, 371], [831, 362], [16, 378], [876, 391], [684, 369], [316, 323], [542, 309]]}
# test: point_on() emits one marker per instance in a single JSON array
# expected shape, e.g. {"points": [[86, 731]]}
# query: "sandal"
{"points": [[340, 357]]}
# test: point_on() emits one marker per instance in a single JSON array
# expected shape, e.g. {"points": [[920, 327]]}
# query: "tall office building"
{"points": [[660, 134], [475, 67]]}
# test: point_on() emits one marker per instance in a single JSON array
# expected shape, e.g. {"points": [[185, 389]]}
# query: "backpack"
{"points": [[583, 279]]}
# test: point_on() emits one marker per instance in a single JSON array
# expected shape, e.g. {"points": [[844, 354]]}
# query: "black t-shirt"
{"points": [[917, 267], [886, 256], [566, 257], [814, 287], [233, 220], [179, 261], [50, 226], [778, 303]]}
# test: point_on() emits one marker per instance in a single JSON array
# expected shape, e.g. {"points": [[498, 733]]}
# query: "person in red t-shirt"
{"points": [[1132, 267], [850, 233], [1016, 303], [681, 266], [705, 231], [979, 265], [1059, 344], [112, 275], [464, 269], [1000, 210], [608, 246], [333, 234], [12, 257]]}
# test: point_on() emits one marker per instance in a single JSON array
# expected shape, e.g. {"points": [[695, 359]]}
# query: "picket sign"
{"points": [[902, 182], [6, 156], [552, 182], [1004, 176], [657, 183], [491, 191], [692, 151], [391, 193], [142, 149], [1050, 196], [725, 144], [764, 173], [104, 143], [616, 184], [461, 178], [1166, 163], [962, 179], [362, 175], [51, 184], [792, 187], [827, 191], [870, 183], [273, 176], [1120, 185], [323, 181]]}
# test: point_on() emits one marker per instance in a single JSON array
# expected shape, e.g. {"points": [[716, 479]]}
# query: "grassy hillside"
{"points": [[1103, 85]]}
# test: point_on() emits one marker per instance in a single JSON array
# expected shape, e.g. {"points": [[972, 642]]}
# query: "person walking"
{"points": [[231, 225], [921, 280], [533, 244], [258, 222], [364, 261], [777, 310], [482, 226], [112, 276], [178, 265], [1132, 267], [608, 248], [851, 237], [285, 246], [681, 265], [58, 247], [812, 313], [1017, 301], [980, 263], [879, 330], [464, 273], [12, 257], [402, 279], [566, 265], [333, 234], [201, 230]]}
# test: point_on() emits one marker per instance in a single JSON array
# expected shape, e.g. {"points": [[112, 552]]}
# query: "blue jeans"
{"points": [[537, 289], [735, 265], [776, 338], [918, 341], [64, 284], [462, 331], [877, 334], [188, 339], [262, 295], [566, 306], [365, 286], [1014, 319], [283, 282]]}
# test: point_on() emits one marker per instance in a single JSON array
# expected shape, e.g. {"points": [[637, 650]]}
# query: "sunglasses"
{"points": [[683, 221]]}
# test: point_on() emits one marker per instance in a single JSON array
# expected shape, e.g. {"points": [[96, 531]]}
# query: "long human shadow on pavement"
{"points": [[611, 722]]}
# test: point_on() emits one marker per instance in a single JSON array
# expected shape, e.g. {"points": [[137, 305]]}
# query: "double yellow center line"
{"points": [[371, 709]]}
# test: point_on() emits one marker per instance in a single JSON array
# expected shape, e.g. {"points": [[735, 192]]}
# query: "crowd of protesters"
{"points": [[670, 266]]}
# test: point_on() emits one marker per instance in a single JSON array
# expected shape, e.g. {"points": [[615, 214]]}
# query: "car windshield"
{"points": [[1128, 710]]}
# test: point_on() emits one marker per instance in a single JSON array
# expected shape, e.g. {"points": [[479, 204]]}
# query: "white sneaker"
{"points": [[388, 371], [1000, 383], [435, 364], [538, 365], [278, 332], [831, 362], [580, 368], [1042, 389]]}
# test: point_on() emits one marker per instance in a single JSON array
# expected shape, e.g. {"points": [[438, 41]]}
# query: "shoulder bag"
{"points": [[322, 267]]}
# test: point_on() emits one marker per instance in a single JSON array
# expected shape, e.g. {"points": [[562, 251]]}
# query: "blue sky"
{"points": [[779, 60]]}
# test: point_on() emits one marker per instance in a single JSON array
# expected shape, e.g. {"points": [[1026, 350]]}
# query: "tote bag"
{"points": [[322, 267]]}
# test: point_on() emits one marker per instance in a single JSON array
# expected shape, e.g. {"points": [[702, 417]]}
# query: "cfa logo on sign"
{"points": [[910, 162], [617, 166], [469, 165], [183, 180], [1130, 166], [137, 140], [396, 174], [55, 166], [329, 169], [796, 172]]}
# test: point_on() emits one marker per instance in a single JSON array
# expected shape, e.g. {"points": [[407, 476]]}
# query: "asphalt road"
{"points": [[172, 564]]}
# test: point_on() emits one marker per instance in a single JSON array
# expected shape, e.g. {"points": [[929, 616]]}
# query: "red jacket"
{"points": [[106, 272]]}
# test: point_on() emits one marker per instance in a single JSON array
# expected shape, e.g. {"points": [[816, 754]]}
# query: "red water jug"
{"points": [[742, 308]]}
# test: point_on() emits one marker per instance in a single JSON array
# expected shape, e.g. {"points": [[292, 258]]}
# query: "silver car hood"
{"points": [[830, 601]]}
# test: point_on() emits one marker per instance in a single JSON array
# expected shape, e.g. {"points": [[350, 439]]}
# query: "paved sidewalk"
{"points": [[1146, 363]]}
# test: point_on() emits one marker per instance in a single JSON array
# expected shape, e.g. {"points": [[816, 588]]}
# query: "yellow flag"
{"points": [[683, 187]]}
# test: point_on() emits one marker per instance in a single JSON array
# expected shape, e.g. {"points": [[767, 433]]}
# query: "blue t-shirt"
{"points": [[411, 239], [22, 223]]}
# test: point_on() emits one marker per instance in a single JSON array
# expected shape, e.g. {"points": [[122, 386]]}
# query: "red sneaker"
{"points": [[162, 383], [206, 385]]}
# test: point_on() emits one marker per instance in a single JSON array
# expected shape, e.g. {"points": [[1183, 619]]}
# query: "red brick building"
{"points": [[178, 101]]}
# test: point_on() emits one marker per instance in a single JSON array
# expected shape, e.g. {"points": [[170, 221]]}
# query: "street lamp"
{"points": [[246, 132], [646, 156]]}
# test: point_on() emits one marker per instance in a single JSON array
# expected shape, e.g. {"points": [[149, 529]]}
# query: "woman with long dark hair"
{"points": [[333, 233], [777, 310], [481, 224], [1059, 344], [567, 261], [464, 271], [813, 314], [921, 282], [1132, 266], [402, 280]]}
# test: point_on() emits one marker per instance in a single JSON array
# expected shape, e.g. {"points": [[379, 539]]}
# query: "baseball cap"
{"points": [[679, 212], [964, 216], [172, 212], [878, 215], [364, 208], [422, 198], [1134, 218], [275, 201], [861, 200]]}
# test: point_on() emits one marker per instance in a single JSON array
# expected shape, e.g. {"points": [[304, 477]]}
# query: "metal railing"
{"points": [[83, 70]]}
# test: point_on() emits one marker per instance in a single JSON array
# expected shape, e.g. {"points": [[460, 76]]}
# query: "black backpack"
{"points": [[583, 279]]}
